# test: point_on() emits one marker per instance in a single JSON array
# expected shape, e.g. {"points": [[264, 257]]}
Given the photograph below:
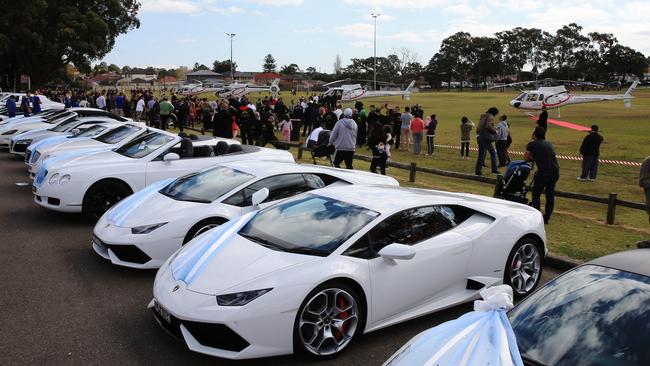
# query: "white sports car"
{"points": [[92, 183], [7, 131], [144, 229], [116, 135], [19, 143], [46, 104], [311, 273]]}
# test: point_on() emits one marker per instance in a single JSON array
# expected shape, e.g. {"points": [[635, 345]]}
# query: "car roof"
{"points": [[635, 261]]}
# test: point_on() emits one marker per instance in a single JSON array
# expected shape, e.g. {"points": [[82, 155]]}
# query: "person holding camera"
{"points": [[486, 134]]}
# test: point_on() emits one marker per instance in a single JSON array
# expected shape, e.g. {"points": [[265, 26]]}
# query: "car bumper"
{"points": [[260, 331], [53, 201]]}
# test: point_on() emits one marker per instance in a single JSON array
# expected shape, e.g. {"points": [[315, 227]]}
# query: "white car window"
{"points": [[144, 145]]}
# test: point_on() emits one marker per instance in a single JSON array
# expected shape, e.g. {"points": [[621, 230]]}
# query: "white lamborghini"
{"points": [[144, 229], [92, 183], [313, 272]]}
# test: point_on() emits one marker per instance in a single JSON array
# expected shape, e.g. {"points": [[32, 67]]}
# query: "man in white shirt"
{"points": [[139, 108], [101, 101], [313, 136], [338, 112]]}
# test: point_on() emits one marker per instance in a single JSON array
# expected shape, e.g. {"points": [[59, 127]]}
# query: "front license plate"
{"points": [[162, 312]]}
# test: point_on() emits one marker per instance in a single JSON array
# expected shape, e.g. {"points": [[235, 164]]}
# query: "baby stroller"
{"points": [[321, 148], [513, 186]]}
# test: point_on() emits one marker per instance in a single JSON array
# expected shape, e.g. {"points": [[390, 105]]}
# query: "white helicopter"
{"points": [[558, 96], [351, 92], [239, 90], [197, 87]]}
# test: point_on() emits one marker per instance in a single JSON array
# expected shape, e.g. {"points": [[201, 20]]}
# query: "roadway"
{"points": [[62, 304]]}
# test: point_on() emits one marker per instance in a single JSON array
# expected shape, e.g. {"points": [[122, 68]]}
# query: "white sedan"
{"points": [[92, 183], [116, 135], [19, 143], [313, 272], [144, 229]]}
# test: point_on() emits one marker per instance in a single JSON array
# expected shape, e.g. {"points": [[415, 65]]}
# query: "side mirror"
{"points": [[169, 157], [260, 196], [397, 251], [75, 131]]}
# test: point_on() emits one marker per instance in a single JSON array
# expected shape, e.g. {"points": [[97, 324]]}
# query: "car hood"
{"points": [[84, 158], [36, 135], [25, 125], [221, 259], [59, 144], [147, 207], [50, 141]]}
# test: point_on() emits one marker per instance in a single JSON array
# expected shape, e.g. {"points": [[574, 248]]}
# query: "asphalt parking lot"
{"points": [[62, 304]]}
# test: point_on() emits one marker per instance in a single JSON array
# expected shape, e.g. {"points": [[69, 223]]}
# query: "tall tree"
{"points": [[291, 69], [487, 58], [269, 64], [40, 38], [223, 66], [197, 66]]}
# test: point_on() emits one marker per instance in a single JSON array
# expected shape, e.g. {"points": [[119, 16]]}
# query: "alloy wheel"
{"points": [[525, 268]]}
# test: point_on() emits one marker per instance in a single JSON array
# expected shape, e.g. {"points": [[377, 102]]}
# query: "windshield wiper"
{"points": [[261, 241], [529, 361]]}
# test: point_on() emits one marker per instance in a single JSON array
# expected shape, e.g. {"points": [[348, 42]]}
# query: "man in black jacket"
{"points": [[590, 150], [542, 153], [542, 120]]}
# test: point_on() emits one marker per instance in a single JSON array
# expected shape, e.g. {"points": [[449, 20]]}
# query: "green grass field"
{"points": [[577, 229]]}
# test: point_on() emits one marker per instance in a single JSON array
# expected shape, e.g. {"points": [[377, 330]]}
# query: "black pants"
{"points": [[464, 147], [589, 167], [246, 135], [306, 128], [378, 161], [164, 122], [545, 181], [397, 134], [343, 156], [502, 152], [430, 145]]}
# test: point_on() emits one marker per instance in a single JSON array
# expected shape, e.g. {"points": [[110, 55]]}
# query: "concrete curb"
{"points": [[561, 263]]}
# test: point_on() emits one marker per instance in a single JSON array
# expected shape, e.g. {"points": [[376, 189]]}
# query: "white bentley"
{"points": [[92, 183], [144, 229], [313, 272]]}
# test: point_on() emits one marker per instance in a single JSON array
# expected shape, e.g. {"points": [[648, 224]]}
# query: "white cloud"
{"points": [[310, 30], [170, 6], [383, 17], [276, 2], [187, 40], [411, 4], [356, 30], [411, 37], [226, 10], [361, 44]]}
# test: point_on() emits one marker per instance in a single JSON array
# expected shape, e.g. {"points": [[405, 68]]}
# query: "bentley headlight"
{"points": [[240, 298], [23, 142], [54, 179], [64, 179], [10, 132], [146, 229]]}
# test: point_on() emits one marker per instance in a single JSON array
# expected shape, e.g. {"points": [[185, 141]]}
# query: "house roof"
{"points": [[239, 74], [141, 71], [168, 79], [203, 73]]}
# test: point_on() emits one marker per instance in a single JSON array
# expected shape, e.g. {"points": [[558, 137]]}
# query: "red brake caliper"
{"points": [[342, 315]]}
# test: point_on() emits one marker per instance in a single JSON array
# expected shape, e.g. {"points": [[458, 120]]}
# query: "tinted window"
{"points": [[589, 316], [65, 125], [408, 227], [308, 224], [90, 131], [205, 186], [118, 134], [280, 187], [144, 145]]}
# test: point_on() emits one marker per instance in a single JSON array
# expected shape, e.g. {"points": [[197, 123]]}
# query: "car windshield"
{"points": [[117, 134], [58, 116], [90, 131], [205, 186], [590, 316], [65, 125], [308, 224], [144, 145]]}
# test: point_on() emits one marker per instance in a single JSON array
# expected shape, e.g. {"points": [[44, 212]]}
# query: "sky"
{"points": [[312, 32]]}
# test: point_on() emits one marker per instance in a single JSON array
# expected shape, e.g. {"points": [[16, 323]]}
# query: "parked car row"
{"points": [[260, 256]]}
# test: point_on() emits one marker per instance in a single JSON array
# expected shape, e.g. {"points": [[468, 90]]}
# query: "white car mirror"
{"points": [[260, 196], [397, 251], [75, 131], [171, 157]]}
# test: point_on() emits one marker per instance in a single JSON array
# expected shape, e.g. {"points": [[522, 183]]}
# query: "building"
{"points": [[142, 74], [204, 76], [240, 76], [167, 82], [266, 78]]}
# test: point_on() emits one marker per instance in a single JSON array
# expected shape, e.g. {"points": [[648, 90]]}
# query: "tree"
{"points": [[223, 66], [518, 47], [454, 59], [486, 59], [269, 64], [198, 66], [338, 65], [40, 38], [291, 69], [310, 70], [114, 68]]}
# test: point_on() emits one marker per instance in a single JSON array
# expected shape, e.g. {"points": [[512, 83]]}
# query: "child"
{"points": [[466, 126], [286, 126]]}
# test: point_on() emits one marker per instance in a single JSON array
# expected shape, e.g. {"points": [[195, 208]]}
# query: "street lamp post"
{"points": [[232, 73], [375, 15]]}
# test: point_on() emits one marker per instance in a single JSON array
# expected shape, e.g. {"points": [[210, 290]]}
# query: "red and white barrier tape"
{"points": [[561, 157]]}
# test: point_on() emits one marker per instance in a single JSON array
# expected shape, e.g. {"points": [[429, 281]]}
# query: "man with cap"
{"points": [[590, 150], [344, 139]]}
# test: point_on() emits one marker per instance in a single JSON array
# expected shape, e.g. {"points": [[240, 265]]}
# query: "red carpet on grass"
{"points": [[564, 124]]}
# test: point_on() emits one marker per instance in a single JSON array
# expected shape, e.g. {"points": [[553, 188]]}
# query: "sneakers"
{"points": [[582, 179]]}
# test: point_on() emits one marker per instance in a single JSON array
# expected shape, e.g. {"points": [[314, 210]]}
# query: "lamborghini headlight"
{"points": [[54, 179], [146, 229], [240, 298], [24, 142]]}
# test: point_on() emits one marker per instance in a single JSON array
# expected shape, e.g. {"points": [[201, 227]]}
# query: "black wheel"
{"points": [[524, 267], [103, 195], [203, 226], [328, 320]]}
